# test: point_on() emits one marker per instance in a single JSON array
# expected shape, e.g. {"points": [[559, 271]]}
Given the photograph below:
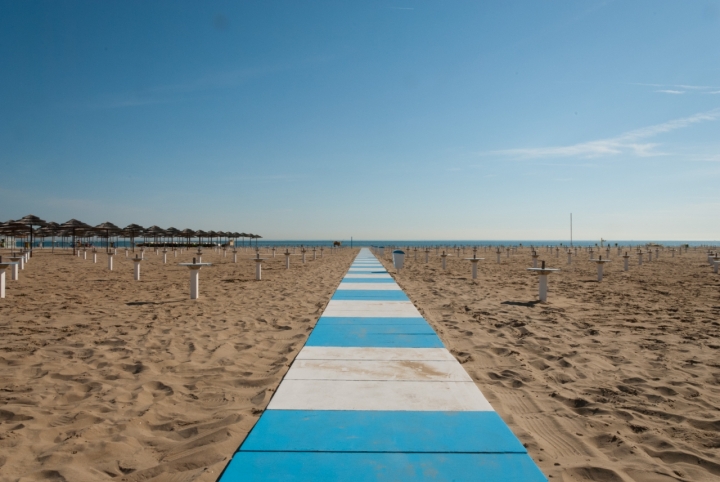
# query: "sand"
{"points": [[611, 381], [105, 378]]}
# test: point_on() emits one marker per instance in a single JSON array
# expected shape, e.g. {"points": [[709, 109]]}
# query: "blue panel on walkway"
{"points": [[378, 431], [376, 340], [332, 320], [374, 271], [374, 467], [368, 280], [370, 295]]}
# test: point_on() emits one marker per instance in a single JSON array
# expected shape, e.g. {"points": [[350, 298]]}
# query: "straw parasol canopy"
{"points": [[30, 221], [187, 233], [173, 232], [108, 228], [75, 227], [201, 234], [155, 232], [131, 231]]}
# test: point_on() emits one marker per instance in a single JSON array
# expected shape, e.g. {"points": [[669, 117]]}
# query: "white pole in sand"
{"points": [[195, 277], [303, 254], [427, 255], [542, 287], [110, 261], [535, 257], [287, 259], [16, 262], [137, 262], [600, 262], [126, 253], [164, 252], [273, 251], [84, 253], [314, 253], [626, 257], [649, 255], [640, 256], [474, 261], [716, 259], [569, 253], [234, 252], [444, 257], [498, 255], [3, 267], [199, 255], [258, 268]]}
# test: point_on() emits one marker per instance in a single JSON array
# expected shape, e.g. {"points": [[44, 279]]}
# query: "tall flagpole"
{"points": [[571, 230]]}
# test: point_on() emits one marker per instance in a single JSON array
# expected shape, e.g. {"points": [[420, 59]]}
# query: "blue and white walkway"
{"points": [[374, 396]]}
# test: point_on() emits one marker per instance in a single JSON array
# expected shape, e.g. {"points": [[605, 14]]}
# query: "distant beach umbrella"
{"points": [[75, 227], [30, 221], [132, 231], [108, 228]]}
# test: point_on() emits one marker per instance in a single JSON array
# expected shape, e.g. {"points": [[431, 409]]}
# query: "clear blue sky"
{"points": [[378, 120]]}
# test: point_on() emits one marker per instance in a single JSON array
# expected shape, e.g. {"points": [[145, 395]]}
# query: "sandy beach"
{"points": [[106, 378], [612, 381]]}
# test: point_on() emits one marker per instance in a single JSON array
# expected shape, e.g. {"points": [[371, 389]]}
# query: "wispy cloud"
{"points": [[633, 142], [680, 88]]}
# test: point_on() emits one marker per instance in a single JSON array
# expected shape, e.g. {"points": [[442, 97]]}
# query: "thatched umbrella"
{"points": [[74, 226], [131, 231], [201, 234], [172, 232], [107, 227], [187, 233], [155, 231], [31, 221]]}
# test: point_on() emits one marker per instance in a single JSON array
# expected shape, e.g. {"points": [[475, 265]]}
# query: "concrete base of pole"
{"points": [[14, 273], [600, 271], [569, 257], [444, 264], [542, 288], [535, 258], [234, 257], [2, 283], [137, 271], [258, 271], [498, 258], [287, 262], [474, 271], [94, 257], [626, 263], [110, 262], [84, 254], [640, 260], [303, 258], [194, 284]]}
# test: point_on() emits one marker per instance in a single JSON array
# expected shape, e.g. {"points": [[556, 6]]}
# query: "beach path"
{"points": [[374, 395]]}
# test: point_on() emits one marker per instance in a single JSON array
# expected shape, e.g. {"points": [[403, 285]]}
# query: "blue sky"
{"points": [[377, 120]]}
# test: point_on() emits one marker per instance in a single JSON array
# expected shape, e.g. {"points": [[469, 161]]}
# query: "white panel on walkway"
{"points": [[447, 371], [371, 309], [373, 395], [369, 286], [360, 275], [335, 353]]}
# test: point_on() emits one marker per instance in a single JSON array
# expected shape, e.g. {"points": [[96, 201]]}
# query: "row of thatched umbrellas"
{"points": [[34, 227]]}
